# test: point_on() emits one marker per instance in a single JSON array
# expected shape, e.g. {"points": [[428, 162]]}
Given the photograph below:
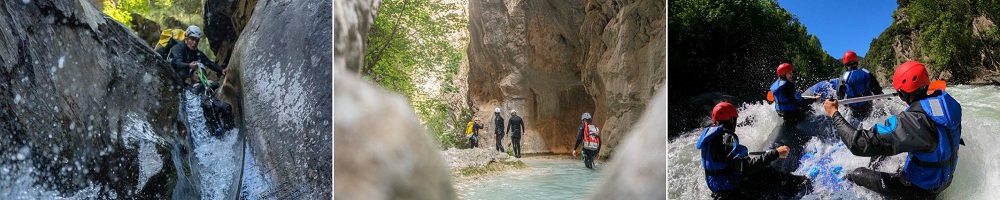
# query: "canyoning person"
{"points": [[473, 132], [588, 135], [788, 102], [929, 131], [499, 129], [190, 64], [516, 127], [185, 59], [857, 82], [731, 173]]}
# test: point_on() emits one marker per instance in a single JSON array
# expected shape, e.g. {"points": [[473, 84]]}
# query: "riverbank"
{"points": [[471, 163]]}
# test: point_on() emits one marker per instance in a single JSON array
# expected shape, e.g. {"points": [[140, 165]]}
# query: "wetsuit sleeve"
{"points": [[208, 63], [176, 57], [906, 132], [748, 164], [579, 138], [509, 124], [876, 88]]}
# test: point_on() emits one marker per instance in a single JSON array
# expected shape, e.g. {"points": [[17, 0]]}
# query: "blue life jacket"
{"points": [[857, 84], [934, 170], [781, 102], [718, 174]]}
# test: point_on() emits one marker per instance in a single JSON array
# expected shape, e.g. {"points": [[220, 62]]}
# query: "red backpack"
{"points": [[591, 139]]}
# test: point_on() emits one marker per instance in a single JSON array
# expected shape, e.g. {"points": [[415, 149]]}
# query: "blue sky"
{"points": [[843, 25]]}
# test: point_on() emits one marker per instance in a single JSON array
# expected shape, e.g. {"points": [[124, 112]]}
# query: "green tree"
{"points": [[412, 41], [121, 10]]}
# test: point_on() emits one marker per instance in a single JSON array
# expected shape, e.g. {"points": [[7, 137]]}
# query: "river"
{"points": [[975, 178], [547, 177]]}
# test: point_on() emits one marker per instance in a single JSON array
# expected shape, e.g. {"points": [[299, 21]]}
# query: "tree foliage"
{"points": [[412, 38], [944, 38], [734, 47], [121, 10], [412, 42]]}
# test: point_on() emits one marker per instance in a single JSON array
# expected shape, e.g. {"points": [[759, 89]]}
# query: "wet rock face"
{"points": [[224, 20], [84, 103], [279, 77], [637, 169], [552, 63]]}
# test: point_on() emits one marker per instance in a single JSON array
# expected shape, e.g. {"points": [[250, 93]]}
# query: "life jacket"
{"points": [[857, 84], [718, 174], [591, 140], [781, 101], [934, 170]]}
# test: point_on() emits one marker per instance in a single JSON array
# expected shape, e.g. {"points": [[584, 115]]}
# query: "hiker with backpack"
{"points": [[589, 136], [192, 64], [188, 61], [473, 133]]}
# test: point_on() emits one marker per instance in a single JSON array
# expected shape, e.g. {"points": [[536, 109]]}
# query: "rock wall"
{"points": [[638, 169], [553, 60], [84, 103], [279, 82], [224, 20]]}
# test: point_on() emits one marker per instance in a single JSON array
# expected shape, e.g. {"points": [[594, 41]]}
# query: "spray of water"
{"points": [[828, 159]]}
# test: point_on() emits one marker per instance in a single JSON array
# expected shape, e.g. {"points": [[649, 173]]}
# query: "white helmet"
{"points": [[512, 111], [496, 110], [585, 116], [193, 31]]}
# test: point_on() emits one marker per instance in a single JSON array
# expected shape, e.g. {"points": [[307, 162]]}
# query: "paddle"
{"points": [[770, 97], [934, 86]]}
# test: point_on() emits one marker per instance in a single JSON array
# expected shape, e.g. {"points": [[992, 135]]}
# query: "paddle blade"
{"points": [[770, 96], [937, 85]]}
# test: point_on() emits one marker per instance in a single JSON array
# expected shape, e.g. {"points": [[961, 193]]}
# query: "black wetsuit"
{"points": [[498, 122], [181, 56], [474, 140], [515, 126], [218, 113], [760, 180], [913, 132]]}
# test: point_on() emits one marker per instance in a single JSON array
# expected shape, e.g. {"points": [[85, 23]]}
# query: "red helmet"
{"points": [[850, 56], [909, 76], [784, 68], [724, 111]]}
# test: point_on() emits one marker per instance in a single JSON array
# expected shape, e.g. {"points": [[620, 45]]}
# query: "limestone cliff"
{"points": [[552, 60]]}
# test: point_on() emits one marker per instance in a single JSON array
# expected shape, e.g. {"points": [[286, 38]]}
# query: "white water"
{"points": [[19, 180], [977, 176], [217, 158]]}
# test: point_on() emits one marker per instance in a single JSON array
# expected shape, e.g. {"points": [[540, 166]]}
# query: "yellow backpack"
{"points": [[468, 130], [166, 35]]}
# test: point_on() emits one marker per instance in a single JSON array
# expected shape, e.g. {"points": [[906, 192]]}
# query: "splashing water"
{"points": [[975, 178], [217, 160]]}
